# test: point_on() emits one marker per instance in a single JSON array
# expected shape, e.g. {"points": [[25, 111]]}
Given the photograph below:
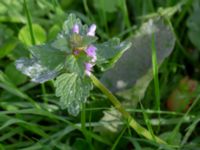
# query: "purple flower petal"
{"points": [[92, 29], [88, 68], [75, 29], [76, 52], [94, 58], [91, 51]]}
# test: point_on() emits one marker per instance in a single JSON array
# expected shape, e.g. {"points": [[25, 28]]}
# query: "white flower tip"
{"points": [[94, 58], [88, 73], [92, 29]]}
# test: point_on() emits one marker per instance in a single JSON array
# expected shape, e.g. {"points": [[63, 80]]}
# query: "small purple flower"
{"points": [[88, 68], [75, 29], [76, 52], [92, 29], [91, 52]]}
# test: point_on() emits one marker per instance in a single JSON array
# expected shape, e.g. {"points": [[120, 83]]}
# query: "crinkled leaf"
{"points": [[62, 44], [76, 64], [136, 61], [78, 41], [73, 91], [136, 93], [48, 56], [110, 121], [87, 40], [69, 23], [36, 71], [109, 52]]}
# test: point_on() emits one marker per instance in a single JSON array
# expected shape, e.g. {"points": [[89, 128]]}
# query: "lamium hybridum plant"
{"points": [[69, 62]]}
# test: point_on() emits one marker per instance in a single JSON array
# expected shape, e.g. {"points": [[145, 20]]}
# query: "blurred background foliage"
{"points": [[30, 116]]}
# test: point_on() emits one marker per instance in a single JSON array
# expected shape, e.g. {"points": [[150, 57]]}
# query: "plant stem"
{"points": [[155, 77], [29, 23], [33, 41], [131, 121]]}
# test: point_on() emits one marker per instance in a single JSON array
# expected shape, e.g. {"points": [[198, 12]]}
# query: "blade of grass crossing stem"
{"points": [[147, 7], [83, 126], [6, 84], [102, 14], [55, 5], [118, 138], [33, 42], [131, 121], [147, 121], [83, 117], [52, 116], [155, 77], [182, 119], [87, 10], [29, 22], [191, 129], [125, 13], [183, 12]]}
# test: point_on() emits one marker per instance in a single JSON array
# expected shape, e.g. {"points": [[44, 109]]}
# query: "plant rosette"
{"points": [[69, 61]]}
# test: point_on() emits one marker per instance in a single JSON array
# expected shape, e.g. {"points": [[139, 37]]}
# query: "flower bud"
{"points": [[75, 29], [88, 68], [92, 29]]}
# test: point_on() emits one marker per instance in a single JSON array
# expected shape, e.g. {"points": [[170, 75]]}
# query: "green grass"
{"points": [[30, 114]]}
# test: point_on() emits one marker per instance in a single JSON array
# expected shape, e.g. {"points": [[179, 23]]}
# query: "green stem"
{"points": [[44, 92], [125, 13], [83, 120], [118, 139], [29, 22], [131, 121], [155, 76]]}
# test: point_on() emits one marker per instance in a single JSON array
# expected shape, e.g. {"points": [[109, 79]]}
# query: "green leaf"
{"points": [[36, 71], [109, 52], [38, 31], [80, 144], [87, 40], [69, 23], [62, 44], [136, 93], [176, 141], [136, 61], [76, 63], [48, 56], [14, 75], [53, 32], [7, 41], [73, 91], [193, 24], [107, 6]]}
